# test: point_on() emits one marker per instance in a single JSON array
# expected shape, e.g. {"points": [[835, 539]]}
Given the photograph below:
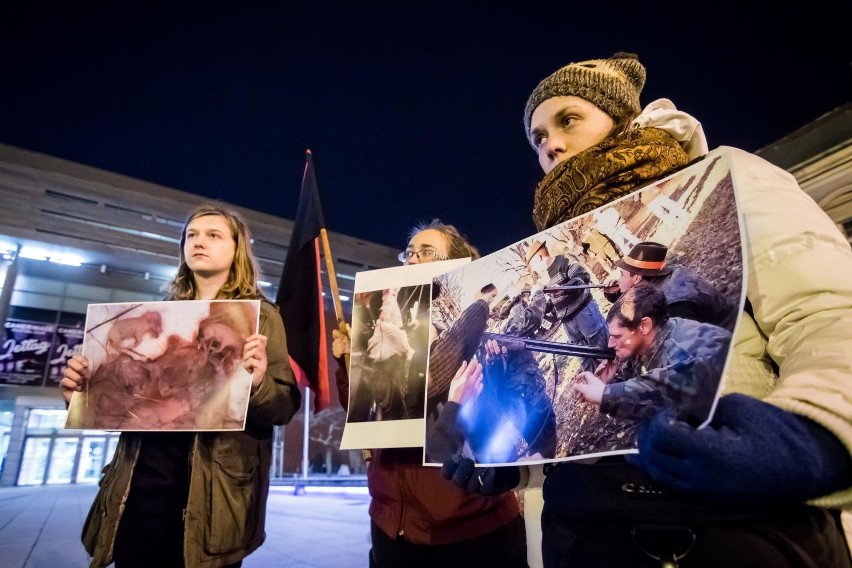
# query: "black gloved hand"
{"points": [[483, 480], [751, 452]]}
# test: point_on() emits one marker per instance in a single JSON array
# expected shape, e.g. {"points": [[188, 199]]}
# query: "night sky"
{"points": [[411, 113]]}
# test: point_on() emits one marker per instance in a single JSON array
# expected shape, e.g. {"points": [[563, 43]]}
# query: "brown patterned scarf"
{"points": [[614, 168]]}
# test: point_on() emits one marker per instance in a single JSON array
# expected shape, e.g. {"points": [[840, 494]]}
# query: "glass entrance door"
{"points": [[91, 460], [34, 461], [58, 456], [61, 461]]}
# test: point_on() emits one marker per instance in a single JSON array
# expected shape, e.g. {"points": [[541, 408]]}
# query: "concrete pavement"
{"points": [[324, 527]]}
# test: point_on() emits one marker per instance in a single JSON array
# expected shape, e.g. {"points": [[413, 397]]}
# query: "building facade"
{"points": [[71, 235]]}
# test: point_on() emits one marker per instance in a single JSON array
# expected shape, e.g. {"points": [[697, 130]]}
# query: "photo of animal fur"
{"points": [[165, 366], [536, 314]]}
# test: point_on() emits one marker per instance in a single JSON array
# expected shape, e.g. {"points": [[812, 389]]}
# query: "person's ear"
{"points": [[646, 325]]}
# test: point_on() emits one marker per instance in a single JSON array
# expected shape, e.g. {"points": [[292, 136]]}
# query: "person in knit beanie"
{"points": [[762, 483], [613, 85], [583, 110]]}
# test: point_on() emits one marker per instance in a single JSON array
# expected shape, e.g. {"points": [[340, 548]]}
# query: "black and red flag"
{"points": [[300, 294]]}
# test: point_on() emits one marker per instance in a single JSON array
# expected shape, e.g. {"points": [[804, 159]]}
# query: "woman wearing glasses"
{"points": [[417, 518]]}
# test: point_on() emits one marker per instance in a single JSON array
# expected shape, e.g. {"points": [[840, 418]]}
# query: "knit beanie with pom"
{"points": [[613, 85]]}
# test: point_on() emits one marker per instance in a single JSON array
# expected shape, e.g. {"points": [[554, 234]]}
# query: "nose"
{"points": [[611, 342], [554, 146], [413, 259], [551, 153]]}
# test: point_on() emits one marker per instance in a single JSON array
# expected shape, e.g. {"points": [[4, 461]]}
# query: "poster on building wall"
{"points": [[24, 352], [165, 366], [67, 341]]}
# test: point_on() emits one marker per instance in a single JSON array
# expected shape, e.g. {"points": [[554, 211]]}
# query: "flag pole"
{"points": [[332, 276], [335, 291]]}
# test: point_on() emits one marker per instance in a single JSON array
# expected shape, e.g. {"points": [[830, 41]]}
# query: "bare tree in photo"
{"points": [[326, 431]]}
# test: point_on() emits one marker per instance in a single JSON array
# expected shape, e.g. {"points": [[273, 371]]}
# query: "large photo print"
{"points": [[588, 328], [166, 366]]}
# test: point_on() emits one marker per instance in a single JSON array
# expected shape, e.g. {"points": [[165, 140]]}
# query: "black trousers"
{"points": [[505, 547], [806, 538], [151, 541]]}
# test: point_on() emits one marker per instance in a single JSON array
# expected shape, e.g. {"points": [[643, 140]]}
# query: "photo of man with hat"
{"points": [[688, 295]]}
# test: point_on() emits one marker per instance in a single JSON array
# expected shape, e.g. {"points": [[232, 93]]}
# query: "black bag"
{"points": [[611, 514]]}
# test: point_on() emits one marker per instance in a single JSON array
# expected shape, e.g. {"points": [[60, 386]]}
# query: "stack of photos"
{"points": [[389, 353]]}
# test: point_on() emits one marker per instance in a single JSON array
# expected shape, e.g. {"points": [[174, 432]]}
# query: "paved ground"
{"points": [[325, 527], [40, 528]]}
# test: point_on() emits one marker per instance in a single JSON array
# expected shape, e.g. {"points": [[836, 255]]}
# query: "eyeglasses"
{"points": [[425, 254]]}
